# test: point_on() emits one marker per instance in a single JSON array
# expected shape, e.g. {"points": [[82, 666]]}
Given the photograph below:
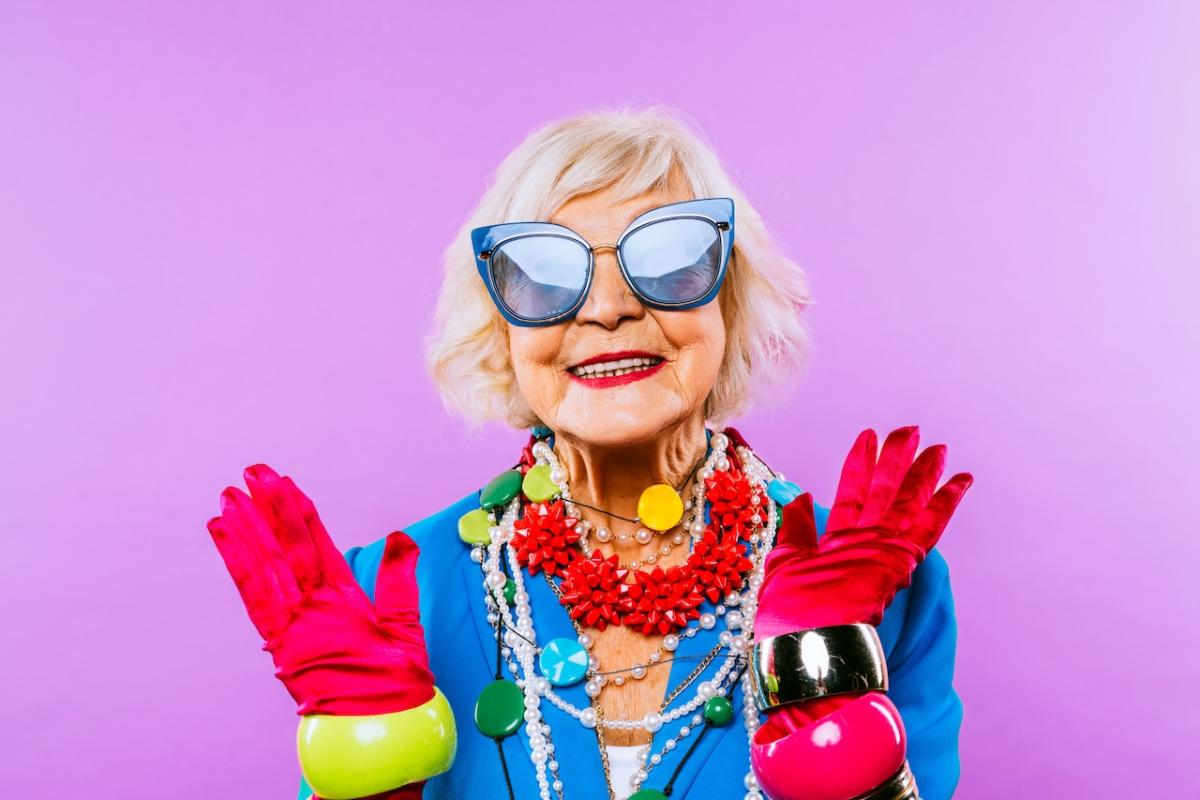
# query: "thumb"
{"points": [[799, 525], [396, 603]]}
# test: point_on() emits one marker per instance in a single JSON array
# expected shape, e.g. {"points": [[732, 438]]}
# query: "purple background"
{"points": [[220, 230]]}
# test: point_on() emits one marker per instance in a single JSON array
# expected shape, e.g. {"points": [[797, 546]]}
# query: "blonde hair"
{"points": [[762, 299]]}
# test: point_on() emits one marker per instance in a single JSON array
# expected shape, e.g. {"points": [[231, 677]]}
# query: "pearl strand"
{"points": [[717, 459], [522, 640], [524, 645]]}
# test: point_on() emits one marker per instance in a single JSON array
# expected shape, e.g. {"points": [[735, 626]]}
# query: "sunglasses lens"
{"points": [[673, 261], [539, 277]]}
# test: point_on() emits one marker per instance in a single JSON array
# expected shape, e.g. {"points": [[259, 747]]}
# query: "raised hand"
{"points": [[885, 518], [334, 651]]}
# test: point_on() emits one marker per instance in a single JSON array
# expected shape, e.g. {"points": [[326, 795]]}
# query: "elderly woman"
{"points": [[638, 606]]}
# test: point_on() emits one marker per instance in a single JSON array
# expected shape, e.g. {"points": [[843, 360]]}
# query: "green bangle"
{"points": [[344, 757]]}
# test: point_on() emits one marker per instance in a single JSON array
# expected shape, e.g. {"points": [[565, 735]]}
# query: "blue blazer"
{"points": [[918, 632]]}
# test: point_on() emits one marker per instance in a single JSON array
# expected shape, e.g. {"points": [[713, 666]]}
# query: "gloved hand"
{"points": [[885, 518], [335, 651]]}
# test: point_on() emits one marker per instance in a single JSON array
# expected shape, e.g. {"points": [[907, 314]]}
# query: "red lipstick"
{"points": [[617, 380]]}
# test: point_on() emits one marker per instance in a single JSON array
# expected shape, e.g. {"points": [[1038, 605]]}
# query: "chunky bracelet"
{"points": [[344, 757], [817, 662]]}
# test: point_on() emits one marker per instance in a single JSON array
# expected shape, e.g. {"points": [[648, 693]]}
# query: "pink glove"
{"points": [[884, 520], [335, 651]]}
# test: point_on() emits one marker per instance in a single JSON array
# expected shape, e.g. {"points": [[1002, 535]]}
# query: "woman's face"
{"points": [[679, 352]]}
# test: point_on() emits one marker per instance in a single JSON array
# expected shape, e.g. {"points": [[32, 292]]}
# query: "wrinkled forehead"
{"points": [[601, 217]]}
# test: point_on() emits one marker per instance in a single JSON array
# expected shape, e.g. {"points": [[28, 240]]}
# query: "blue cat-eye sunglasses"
{"points": [[673, 257]]}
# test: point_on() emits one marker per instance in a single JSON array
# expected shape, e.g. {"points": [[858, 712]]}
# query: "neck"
{"points": [[614, 477]]}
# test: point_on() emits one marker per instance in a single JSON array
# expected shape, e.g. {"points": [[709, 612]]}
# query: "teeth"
{"points": [[604, 369]]}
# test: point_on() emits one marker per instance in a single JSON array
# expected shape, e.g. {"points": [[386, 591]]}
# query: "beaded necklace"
{"points": [[736, 495]]}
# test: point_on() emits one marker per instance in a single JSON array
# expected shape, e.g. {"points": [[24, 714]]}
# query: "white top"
{"points": [[622, 763]]}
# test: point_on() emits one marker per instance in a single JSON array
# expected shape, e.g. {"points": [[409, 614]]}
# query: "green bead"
{"points": [[537, 485], [501, 489], [648, 794], [718, 710], [500, 709], [510, 592], [473, 527]]}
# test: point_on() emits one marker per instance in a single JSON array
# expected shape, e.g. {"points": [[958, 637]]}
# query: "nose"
{"points": [[609, 299]]}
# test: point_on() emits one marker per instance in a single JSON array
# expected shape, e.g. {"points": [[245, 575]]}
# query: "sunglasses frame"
{"points": [[717, 211]]}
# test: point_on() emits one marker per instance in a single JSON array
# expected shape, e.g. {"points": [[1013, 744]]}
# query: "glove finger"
{"points": [[333, 562], [854, 483], [929, 524], [895, 459], [273, 502], [259, 593], [798, 527], [256, 533], [916, 489], [396, 600]]}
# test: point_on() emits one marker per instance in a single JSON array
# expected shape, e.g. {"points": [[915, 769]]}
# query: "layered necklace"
{"points": [[529, 524]]}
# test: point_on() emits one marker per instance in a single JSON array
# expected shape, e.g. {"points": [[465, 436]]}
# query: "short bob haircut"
{"points": [[762, 298]]}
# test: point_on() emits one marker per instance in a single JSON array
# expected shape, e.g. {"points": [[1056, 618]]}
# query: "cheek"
{"points": [[699, 338], [534, 354]]}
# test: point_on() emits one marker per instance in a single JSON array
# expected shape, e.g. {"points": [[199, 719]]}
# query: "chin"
{"points": [[615, 424]]}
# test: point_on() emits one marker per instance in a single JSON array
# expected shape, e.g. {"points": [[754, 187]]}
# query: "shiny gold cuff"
{"points": [[817, 662], [901, 786], [344, 757]]}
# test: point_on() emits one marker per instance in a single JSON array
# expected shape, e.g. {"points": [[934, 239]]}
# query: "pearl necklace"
{"points": [[520, 637]]}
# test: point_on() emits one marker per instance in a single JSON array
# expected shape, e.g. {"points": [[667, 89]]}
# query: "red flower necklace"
{"points": [[600, 592]]}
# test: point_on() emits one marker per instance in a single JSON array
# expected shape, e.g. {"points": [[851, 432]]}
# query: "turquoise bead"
{"points": [[541, 431], [783, 492], [563, 661]]}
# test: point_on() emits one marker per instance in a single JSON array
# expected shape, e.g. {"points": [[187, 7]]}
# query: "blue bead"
{"points": [[563, 661], [541, 431], [783, 492]]}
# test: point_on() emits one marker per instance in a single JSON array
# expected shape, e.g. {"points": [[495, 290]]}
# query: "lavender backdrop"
{"points": [[220, 227]]}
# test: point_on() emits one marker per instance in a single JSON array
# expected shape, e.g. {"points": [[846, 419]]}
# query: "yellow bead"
{"points": [[344, 757], [660, 507]]}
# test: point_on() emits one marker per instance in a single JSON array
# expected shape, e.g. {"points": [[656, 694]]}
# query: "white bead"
{"points": [[558, 475], [725, 638], [638, 671], [477, 555], [496, 579], [733, 620], [591, 688], [642, 536], [585, 639], [587, 717], [603, 534], [705, 690], [751, 781], [707, 621], [670, 642], [652, 722]]}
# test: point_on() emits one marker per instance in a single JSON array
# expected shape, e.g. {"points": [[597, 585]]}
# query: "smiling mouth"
{"points": [[615, 368]]}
